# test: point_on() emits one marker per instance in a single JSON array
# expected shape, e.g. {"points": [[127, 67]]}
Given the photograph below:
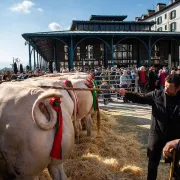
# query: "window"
{"points": [[159, 20], [142, 27], [133, 27], [165, 27], [173, 26], [121, 27], [86, 28], [159, 29], [112, 27], [146, 28], [116, 28], [91, 27], [96, 27], [108, 27], [138, 27], [102, 27], [173, 14], [80, 27], [165, 16], [126, 27]]}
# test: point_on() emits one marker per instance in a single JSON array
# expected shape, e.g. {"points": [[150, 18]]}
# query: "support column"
{"points": [[105, 56], [40, 61], [34, 59], [30, 65], [139, 55], [37, 58], [170, 56], [71, 54], [43, 63], [149, 52], [112, 52], [179, 56], [55, 57]]}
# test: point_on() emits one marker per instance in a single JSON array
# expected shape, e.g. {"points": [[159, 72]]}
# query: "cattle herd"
{"points": [[28, 124]]}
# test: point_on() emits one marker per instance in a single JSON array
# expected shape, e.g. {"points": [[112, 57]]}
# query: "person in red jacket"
{"points": [[142, 79], [162, 77]]}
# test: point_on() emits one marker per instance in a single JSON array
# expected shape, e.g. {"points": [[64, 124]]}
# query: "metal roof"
{"points": [[107, 17], [100, 33], [112, 22]]}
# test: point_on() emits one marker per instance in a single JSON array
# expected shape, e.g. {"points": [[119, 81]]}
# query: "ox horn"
{"points": [[39, 117]]}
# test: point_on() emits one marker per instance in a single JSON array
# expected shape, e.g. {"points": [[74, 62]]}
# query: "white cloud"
{"points": [[39, 9], [54, 26], [24, 7], [140, 5]]}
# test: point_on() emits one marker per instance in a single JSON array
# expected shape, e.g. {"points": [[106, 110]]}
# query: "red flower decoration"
{"points": [[55, 102]]}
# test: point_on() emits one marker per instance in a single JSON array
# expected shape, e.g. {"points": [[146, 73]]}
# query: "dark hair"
{"points": [[174, 78]]}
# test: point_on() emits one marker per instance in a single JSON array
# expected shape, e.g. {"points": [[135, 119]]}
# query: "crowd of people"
{"points": [[10, 75], [135, 79], [146, 79]]}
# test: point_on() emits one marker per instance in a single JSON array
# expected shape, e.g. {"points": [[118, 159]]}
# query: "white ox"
{"points": [[27, 132], [85, 99]]}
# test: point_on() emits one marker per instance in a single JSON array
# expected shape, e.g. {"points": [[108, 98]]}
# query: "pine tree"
{"points": [[21, 68], [15, 68], [27, 67]]}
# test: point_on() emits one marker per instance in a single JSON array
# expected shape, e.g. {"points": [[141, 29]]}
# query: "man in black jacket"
{"points": [[165, 118]]}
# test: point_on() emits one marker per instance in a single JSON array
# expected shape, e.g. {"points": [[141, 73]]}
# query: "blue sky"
{"points": [[26, 16]]}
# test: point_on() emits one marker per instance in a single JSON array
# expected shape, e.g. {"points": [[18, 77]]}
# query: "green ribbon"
{"points": [[69, 84], [56, 103], [95, 94]]}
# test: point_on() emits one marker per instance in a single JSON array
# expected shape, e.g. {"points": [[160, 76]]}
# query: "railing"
{"points": [[113, 81]]}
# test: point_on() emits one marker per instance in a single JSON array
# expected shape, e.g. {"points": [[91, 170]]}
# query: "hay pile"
{"points": [[108, 156]]}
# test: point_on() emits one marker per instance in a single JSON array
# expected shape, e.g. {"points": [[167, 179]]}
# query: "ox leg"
{"points": [[57, 172], [88, 124], [80, 125], [77, 127], [83, 124], [76, 130]]}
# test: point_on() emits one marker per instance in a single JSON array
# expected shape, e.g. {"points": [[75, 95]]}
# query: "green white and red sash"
{"points": [[56, 151]]}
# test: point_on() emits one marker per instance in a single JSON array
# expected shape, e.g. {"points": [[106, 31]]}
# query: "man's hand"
{"points": [[122, 92], [169, 147]]}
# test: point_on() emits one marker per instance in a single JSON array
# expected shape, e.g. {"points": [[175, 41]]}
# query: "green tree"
{"points": [[21, 68], [15, 68], [27, 67]]}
